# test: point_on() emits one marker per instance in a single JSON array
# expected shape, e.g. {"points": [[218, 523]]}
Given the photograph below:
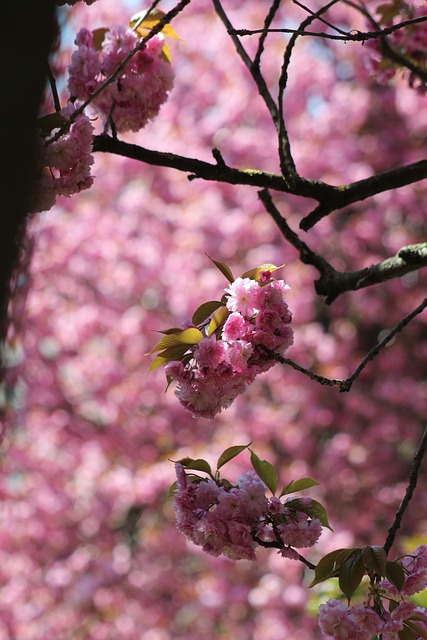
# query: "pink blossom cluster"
{"points": [[136, 95], [361, 622], [415, 567], [64, 165], [410, 42], [233, 520], [223, 366]]}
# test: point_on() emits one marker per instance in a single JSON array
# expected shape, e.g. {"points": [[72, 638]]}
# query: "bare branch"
{"points": [[250, 65], [353, 36], [413, 478], [267, 22]]}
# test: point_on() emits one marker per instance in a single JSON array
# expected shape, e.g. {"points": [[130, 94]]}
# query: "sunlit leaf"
{"points": [[375, 559], [327, 566], [98, 37], [298, 485], [265, 471], [218, 320], [143, 25], [351, 573], [165, 54], [231, 453], [195, 464], [395, 574], [225, 270], [255, 273], [205, 310], [187, 336], [169, 355]]}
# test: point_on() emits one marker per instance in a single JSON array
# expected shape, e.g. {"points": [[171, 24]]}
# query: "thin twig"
{"points": [[267, 22], [54, 90], [355, 36], [287, 163], [413, 478], [275, 544], [345, 385], [254, 71]]}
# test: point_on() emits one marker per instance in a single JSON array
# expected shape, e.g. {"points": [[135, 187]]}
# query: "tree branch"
{"points": [[413, 478], [362, 189], [333, 283]]}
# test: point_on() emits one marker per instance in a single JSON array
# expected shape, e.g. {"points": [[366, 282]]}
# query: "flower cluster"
{"points": [[411, 43], [137, 93], [63, 165], [415, 567], [362, 621], [234, 519], [224, 362]]}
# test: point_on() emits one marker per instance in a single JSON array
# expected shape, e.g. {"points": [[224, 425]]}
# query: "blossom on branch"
{"points": [[63, 165], [230, 344], [137, 93], [233, 520]]}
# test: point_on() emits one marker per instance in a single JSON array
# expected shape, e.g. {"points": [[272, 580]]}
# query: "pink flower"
{"points": [[335, 621], [243, 296], [209, 353], [236, 327]]}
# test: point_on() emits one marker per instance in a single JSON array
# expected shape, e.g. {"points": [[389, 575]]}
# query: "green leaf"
{"points": [[375, 559], [351, 573], [195, 464], [225, 270], [231, 453], [408, 633], [298, 485], [328, 566], [169, 355], [414, 627], [313, 510], [187, 336], [254, 274], [205, 310], [395, 574], [265, 471], [218, 320]]}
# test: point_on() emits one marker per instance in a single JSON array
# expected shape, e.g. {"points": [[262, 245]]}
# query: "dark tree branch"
{"points": [[413, 478], [333, 283], [275, 544], [267, 22], [350, 36], [362, 189], [407, 259]]}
